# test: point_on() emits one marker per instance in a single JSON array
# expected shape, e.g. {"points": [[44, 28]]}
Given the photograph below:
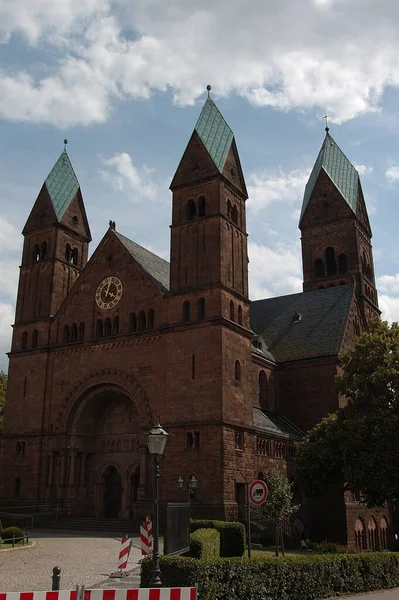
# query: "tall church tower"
{"points": [[336, 233], [55, 251], [208, 233]]}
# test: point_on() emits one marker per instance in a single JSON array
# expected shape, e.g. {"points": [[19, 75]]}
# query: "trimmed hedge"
{"points": [[205, 543], [8, 534], [232, 535], [291, 578]]}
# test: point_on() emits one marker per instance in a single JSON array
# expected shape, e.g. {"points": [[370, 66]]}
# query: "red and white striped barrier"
{"points": [[146, 536], [124, 552], [137, 594]]}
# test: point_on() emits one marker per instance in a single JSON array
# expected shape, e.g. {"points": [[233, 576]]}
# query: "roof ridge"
{"points": [[214, 132], [62, 184]]}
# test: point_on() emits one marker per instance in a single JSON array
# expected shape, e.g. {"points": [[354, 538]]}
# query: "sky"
{"points": [[125, 82]]}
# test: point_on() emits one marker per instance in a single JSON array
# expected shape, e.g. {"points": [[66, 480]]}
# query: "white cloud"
{"points": [[392, 173], [389, 306], [125, 177], [363, 169], [388, 284], [6, 319], [10, 238], [264, 189], [274, 271], [107, 50]]}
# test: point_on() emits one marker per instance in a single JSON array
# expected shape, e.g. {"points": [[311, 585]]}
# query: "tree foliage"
{"points": [[3, 390], [359, 445]]}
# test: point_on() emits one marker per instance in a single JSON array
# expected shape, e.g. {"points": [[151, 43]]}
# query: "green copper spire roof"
{"points": [[214, 132], [339, 169], [62, 184]]}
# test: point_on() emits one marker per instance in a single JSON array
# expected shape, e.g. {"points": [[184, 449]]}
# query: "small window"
{"points": [[201, 206], [115, 325], [141, 325], [68, 253], [74, 256], [239, 441], [99, 328], [191, 210], [319, 268], [228, 209], [132, 322], [237, 370], [186, 311], [234, 214], [107, 327], [17, 487], [201, 309], [75, 220], [150, 320], [81, 331], [20, 449], [231, 310], [35, 336], [263, 390], [193, 439], [330, 261], [74, 332], [342, 264], [24, 340], [66, 335], [239, 314], [43, 251], [35, 253]]}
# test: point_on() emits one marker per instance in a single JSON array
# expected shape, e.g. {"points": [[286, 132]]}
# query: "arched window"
{"points": [[237, 371], [24, 340], [263, 391], [186, 311], [191, 210], [74, 256], [201, 206], [141, 325], [17, 487], [35, 336], [107, 327], [319, 268], [115, 325], [239, 314], [330, 261], [68, 253], [43, 251], [342, 263], [66, 335], [150, 319], [228, 208], [99, 328], [231, 310], [372, 534], [234, 214], [35, 253], [81, 331], [383, 533], [201, 309], [132, 322], [74, 332]]}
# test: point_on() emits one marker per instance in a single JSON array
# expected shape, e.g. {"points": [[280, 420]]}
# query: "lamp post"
{"points": [[191, 486], [157, 438]]}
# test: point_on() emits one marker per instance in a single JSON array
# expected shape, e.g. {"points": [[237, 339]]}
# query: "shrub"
{"points": [[232, 535], [205, 543], [290, 578], [8, 534]]}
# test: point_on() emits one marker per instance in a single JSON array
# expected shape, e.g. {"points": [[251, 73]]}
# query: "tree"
{"points": [[278, 506], [359, 445], [3, 389]]}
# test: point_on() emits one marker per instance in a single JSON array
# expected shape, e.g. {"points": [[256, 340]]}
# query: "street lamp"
{"points": [[191, 486], [157, 438]]}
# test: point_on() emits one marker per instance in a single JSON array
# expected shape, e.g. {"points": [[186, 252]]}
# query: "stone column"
{"points": [[51, 470], [143, 473], [82, 469], [72, 468], [63, 469]]}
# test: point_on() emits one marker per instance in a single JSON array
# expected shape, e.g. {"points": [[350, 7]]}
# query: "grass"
{"points": [[4, 546], [269, 552]]}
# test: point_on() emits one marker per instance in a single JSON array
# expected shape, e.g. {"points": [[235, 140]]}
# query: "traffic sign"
{"points": [[258, 492]]}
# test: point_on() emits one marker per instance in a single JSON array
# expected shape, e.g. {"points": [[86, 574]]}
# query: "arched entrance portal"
{"points": [[112, 492]]}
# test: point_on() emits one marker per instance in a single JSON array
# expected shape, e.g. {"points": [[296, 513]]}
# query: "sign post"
{"points": [[256, 494]]}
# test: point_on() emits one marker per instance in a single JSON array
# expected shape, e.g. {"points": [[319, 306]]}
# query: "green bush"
{"points": [[205, 543], [232, 535], [290, 578], [8, 534]]}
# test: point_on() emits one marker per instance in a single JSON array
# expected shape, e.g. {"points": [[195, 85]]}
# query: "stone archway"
{"points": [[112, 492]]}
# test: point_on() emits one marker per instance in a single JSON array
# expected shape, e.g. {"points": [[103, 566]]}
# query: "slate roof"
{"points": [[156, 267], [214, 133], [339, 169], [321, 317], [275, 424], [62, 185]]}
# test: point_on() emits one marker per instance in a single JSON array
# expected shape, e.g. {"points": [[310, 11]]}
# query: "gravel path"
{"points": [[85, 559]]}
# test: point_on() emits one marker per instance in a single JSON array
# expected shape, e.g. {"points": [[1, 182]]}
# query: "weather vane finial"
{"points": [[326, 118], [208, 87], [65, 144]]}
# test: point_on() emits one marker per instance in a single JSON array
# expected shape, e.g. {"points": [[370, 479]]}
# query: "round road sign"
{"points": [[258, 492]]}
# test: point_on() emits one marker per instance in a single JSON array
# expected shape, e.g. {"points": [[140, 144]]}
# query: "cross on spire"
{"points": [[326, 118]]}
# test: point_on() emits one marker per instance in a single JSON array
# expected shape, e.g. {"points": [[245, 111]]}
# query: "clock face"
{"points": [[109, 293]]}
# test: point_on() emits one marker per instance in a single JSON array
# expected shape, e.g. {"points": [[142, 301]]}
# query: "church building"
{"points": [[102, 346]]}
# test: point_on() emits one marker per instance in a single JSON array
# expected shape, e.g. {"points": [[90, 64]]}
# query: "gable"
{"points": [[325, 203], [195, 165], [42, 214], [76, 210], [232, 169]]}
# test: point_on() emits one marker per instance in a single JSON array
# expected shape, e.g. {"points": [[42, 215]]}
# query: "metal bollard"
{"points": [[56, 576]]}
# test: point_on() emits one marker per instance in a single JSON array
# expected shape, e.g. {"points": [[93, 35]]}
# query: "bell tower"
{"points": [[56, 238], [335, 228], [208, 232]]}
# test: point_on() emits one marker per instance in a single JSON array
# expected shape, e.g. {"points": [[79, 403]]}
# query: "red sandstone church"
{"points": [[102, 346]]}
